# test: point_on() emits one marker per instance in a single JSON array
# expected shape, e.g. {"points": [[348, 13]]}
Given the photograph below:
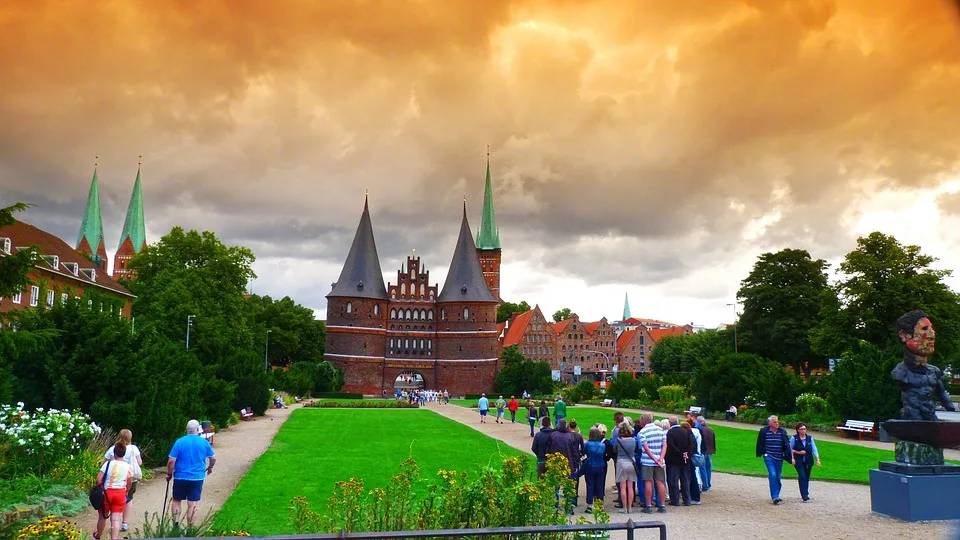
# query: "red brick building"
{"points": [[60, 273], [633, 350], [533, 335], [447, 335]]}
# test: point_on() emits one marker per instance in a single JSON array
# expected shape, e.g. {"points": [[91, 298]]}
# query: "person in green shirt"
{"points": [[501, 405], [559, 409]]}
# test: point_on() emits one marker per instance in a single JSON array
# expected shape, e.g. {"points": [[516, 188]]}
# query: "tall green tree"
{"points": [[14, 268], [684, 353], [295, 335], [881, 280], [562, 314], [507, 310], [781, 303], [518, 373], [726, 380]]}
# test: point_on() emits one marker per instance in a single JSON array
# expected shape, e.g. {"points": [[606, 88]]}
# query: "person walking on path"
{"points": [[543, 411], [484, 405], [116, 476], [774, 446], [709, 448], [804, 454], [513, 406], [679, 449], [191, 460], [531, 415], [133, 458], [559, 409], [501, 406], [539, 447]]}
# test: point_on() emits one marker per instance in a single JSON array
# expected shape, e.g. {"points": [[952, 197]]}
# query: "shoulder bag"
{"points": [[633, 462], [98, 495]]}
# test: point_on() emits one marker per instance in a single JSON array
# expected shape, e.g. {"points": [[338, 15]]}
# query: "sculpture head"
{"points": [[916, 333]]}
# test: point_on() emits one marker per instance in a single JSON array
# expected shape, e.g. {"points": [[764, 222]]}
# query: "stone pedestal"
{"points": [[915, 497], [914, 453]]}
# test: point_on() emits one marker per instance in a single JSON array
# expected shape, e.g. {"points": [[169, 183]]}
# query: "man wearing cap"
{"points": [[191, 460]]}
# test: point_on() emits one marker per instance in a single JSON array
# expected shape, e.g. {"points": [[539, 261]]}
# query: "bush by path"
{"points": [[364, 404]]}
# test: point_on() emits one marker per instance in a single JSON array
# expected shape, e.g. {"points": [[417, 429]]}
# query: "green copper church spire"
{"points": [[626, 307], [489, 236], [90, 239], [133, 226]]}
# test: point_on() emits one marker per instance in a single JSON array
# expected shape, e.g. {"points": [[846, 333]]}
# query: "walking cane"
{"points": [[166, 492]]}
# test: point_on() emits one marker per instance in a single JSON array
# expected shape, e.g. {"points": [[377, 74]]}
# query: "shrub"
{"points": [[382, 404], [671, 393], [812, 404], [79, 470], [582, 391], [775, 386], [50, 527], [42, 438], [341, 395], [623, 387], [726, 380], [861, 387]]}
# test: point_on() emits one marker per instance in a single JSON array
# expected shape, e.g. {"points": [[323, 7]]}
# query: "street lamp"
{"points": [[736, 346], [266, 351], [189, 324]]}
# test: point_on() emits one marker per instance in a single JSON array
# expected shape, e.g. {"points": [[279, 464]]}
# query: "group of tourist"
{"points": [[422, 397], [513, 406], [190, 461]]}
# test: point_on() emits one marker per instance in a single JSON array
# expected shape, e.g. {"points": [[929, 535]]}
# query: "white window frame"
{"points": [[349, 308], [7, 247], [64, 297], [17, 297], [34, 293], [50, 298], [466, 313]]}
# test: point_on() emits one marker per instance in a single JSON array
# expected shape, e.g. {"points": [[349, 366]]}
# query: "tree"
{"points": [[14, 268], [881, 280], [777, 387], [861, 386], [683, 353], [519, 373], [562, 314], [781, 304], [507, 309], [726, 380], [295, 335], [624, 386]]}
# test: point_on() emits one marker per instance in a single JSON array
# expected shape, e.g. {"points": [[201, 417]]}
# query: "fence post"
{"points": [[342, 533], [630, 529]]}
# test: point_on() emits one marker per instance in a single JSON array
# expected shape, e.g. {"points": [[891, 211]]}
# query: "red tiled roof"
{"points": [[624, 339], [591, 327], [659, 333], [560, 326], [23, 235], [517, 327]]}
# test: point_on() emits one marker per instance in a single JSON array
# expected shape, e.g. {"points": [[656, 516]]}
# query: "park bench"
{"points": [[695, 411], [608, 403], [860, 427], [246, 414]]}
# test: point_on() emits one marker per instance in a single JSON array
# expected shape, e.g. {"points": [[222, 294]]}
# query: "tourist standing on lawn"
{"points": [[132, 457], [188, 466], [501, 406], [559, 409], [709, 448], [595, 467], [117, 478], [484, 405], [539, 447], [513, 406], [679, 449], [653, 441], [804, 454], [531, 415], [544, 411], [773, 446]]}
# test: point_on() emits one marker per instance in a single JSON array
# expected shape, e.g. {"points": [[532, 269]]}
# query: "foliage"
{"points": [[295, 336], [379, 404], [861, 387], [781, 304], [14, 268], [519, 373], [78, 470], [308, 378], [726, 380], [881, 280], [623, 386], [454, 500], [161, 526], [672, 393], [342, 395], [506, 310], [562, 314], [684, 353], [49, 528], [582, 391], [776, 386], [44, 437], [811, 404], [21, 488]]}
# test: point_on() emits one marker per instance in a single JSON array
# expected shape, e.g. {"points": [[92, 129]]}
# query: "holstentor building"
{"points": [[447, 335]]}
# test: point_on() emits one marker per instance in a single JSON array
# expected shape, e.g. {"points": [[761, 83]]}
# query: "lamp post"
{"points": [[736, 346], [189, 324], [266, 352]]}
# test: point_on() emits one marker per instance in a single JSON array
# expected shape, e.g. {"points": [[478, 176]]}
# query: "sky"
{"points": [[647, 147]]}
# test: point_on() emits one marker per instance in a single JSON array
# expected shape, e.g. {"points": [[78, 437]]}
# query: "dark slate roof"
{"points": [[465, 281], [361, 276]]}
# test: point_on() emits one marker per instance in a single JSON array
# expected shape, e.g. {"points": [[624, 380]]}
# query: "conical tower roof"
{"points": [[133, 225], [489, 235], [465, 281], [361, 276], [626, 307], [91, 228]]}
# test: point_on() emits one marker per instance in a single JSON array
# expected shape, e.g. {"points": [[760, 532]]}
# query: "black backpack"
{"points": [[98, 493]]}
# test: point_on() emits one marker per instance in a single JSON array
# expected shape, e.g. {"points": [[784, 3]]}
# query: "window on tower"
{"points": [[349, 307]]}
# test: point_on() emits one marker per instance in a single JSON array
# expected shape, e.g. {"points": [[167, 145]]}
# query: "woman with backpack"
{"points": [[805, 454], [116, 477]]}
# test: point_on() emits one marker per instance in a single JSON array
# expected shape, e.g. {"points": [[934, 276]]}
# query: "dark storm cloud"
{"points": [[644, 140]]}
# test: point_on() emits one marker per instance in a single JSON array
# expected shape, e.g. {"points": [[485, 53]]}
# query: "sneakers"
{"points": [[124, 526], [806, 499], [647, 510], [777, 500], [662, 509], [695, 503], [589, 510]]}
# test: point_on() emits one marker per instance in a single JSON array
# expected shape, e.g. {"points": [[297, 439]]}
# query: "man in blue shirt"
{"points": [[188, 466], [774, 447], [484, 405]]}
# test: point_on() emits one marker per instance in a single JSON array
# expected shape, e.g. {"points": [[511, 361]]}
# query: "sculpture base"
{"points": [[914, 453], [928, 497], [916, 470]]}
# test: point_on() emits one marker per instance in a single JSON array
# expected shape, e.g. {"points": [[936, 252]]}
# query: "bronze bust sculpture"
{"points": [[921, 386]]}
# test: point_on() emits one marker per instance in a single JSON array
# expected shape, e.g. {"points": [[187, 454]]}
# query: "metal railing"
{"points": [[630, 526]]}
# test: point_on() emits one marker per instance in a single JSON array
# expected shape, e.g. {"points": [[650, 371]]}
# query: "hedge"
{"points": [[341, 395], [363, 405]]}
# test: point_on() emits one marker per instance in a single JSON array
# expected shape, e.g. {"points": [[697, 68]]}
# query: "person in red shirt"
{"points": [[512, 406]]}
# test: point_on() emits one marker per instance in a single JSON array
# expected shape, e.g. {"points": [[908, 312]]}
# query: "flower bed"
{"points": [[382, 404]]}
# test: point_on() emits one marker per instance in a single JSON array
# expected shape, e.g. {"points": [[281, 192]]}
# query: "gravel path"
{"points": [[738, 507]]}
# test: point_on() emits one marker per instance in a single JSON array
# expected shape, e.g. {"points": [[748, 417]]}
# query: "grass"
{"points": [[317, 447], [736, 451]]}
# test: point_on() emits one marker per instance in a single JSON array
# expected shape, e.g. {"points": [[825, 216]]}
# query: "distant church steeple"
{"points": [[90, 239], [626, 307], [134, 236], [488, 238]]}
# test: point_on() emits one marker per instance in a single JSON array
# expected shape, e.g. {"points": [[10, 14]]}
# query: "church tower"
{"points": [[134, 237], [90, 239], [626, 307], [488, 240]]}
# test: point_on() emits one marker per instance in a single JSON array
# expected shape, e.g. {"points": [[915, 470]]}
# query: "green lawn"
{"points": [[318, 447], [736, 451]]}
